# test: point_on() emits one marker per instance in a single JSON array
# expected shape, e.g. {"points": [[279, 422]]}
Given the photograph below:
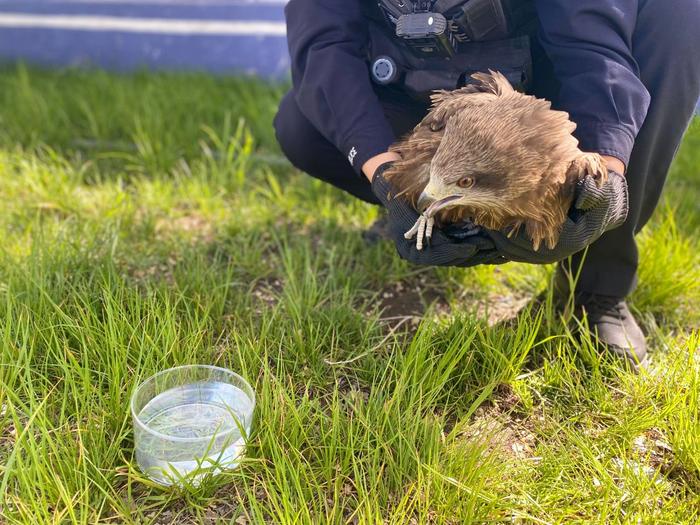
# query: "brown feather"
{"points": [[514, 142]]}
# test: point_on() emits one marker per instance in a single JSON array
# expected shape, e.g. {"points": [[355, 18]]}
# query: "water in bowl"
{"points": [[193, 429]]}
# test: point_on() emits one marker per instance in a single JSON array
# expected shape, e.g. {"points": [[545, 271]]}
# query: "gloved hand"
{"points": [[595, 211], [467, 248]]}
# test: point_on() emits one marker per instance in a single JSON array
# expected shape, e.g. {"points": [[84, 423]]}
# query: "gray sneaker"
{"points": [[610, 323], [614, 327]]}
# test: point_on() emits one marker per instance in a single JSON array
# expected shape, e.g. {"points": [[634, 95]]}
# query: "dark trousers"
{"points": [[664, 36]]}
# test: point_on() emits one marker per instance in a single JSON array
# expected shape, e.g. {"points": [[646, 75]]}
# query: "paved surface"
{"points": [[222, 36]]}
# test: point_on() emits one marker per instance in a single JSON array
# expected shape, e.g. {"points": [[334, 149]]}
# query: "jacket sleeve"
{"points": [[327, 41], [589, 43]]}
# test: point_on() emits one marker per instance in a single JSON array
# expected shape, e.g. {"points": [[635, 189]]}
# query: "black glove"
{"points": [[468, 248], [595, 211]]}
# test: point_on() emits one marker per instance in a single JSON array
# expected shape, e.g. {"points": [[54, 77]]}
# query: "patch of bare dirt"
{"points": [[163, 270], [267, 292], [408, 301], [8, 433], [171, 517], [498, 308], [193, 225], [651, 457], [7, 440], [497, 425], [653, 448], [225, 506], [351, 391], [260, 495]]}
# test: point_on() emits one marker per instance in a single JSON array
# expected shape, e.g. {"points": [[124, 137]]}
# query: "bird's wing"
{"points": [[492, 82], [446, 103], [410, 174], [485, 89]]}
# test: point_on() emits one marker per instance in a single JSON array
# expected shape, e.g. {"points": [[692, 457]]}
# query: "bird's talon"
{"points": [[412, 232], [421, 232], [429, 227]]}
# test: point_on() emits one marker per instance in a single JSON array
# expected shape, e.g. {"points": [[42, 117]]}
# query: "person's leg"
{"points": [[311, 153], [667, 48]]}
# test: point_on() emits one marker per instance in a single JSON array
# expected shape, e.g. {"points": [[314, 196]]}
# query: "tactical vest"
{"points": [[424, 45]]}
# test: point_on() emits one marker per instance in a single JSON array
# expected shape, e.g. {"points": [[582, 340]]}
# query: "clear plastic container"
{"points": [[190, 421]]}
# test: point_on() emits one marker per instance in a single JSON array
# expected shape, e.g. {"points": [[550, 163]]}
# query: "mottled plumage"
{"points": [[503, 159]]}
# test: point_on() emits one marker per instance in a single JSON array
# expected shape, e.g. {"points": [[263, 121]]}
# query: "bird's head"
{"points": [[469, 168], [494, 156]]}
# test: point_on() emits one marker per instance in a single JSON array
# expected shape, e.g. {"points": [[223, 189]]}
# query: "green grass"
{"points": [[148, 222]]}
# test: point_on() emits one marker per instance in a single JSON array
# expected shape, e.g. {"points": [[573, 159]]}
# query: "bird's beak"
{"points": [[435, 197], [424, 200]]}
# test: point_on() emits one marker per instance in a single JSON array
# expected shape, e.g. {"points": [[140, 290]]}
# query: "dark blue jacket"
{"points": [[588, 41]]}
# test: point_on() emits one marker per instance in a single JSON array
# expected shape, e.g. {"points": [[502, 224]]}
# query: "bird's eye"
{"points": [[436, 125], [465, 182]]}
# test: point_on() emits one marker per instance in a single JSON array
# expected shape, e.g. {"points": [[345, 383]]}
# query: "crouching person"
{"points": [[627, 72]]}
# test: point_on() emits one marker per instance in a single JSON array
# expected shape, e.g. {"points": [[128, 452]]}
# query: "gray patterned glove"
{"points": [[466, 248], [595, 211]]}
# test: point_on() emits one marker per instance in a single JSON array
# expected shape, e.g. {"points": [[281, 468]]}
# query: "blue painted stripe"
{"points": [[143, 25], [246, 11], [123, 52], [212, 35]]}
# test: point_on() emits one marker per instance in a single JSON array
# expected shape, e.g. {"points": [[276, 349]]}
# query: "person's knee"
{"points": [[295, 134], [283, 123], [667, 46], [674, 27]]}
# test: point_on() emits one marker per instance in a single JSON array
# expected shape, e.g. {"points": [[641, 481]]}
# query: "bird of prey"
{"points": [[491, 155]]}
